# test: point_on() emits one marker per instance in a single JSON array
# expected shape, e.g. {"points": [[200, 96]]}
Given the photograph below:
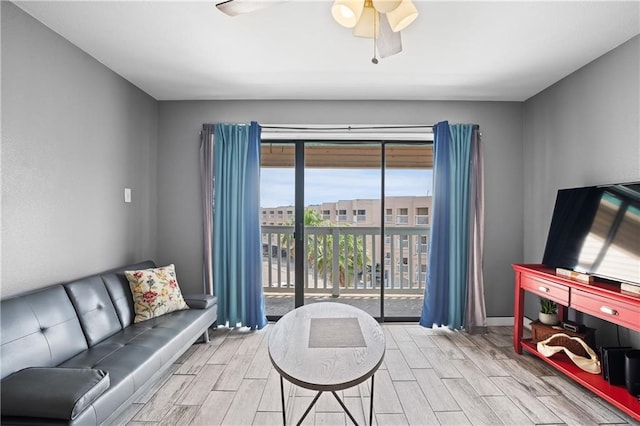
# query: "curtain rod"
{"points": [[352, 132], [343, 128]]}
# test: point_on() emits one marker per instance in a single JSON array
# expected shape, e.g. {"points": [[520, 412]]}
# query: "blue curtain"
{"points": [[237, 250], [447, 285]]}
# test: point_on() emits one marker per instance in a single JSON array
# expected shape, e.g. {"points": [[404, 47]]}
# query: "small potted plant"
{"points": [[548, 312]]}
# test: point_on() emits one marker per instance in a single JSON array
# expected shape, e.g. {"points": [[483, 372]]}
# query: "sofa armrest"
{"points": [[200, 301], [53, 393]]}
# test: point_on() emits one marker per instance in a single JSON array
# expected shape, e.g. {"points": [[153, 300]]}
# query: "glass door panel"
{"points": [[342, 224], [277, 191], [407, 223]]}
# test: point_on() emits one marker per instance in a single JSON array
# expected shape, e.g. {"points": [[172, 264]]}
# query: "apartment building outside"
{"points": [[399, 211], [407, 221]]}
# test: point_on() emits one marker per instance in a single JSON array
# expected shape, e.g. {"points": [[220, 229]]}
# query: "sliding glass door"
{"points": [[346, 222]]}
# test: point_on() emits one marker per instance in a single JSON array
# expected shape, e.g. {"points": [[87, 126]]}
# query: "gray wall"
{"points": [[74, 135], [179, 215], [583, 130]]}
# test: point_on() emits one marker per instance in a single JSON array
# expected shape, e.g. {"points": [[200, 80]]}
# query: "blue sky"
{"points": [[327, 185]]}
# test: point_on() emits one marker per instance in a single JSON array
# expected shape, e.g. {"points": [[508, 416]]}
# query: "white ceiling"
{"points": [[455, 50]]}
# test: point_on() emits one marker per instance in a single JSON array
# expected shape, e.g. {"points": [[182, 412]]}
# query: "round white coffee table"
{"points": [[326, 347]]}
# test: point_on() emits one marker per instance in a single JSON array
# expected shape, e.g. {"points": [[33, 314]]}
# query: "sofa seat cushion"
{"points": [[57, 393], [134, 355], [122, 360]]}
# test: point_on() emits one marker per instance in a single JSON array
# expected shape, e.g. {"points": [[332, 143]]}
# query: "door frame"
{"points": [[299, 236]]}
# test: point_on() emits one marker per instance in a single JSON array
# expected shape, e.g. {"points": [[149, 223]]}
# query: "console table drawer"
{"points": [[615, 311], [548, 289]]}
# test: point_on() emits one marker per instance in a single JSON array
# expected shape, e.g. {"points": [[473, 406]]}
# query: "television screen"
{"points": [[596, 230]]}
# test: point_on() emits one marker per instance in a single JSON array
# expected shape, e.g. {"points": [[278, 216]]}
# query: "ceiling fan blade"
{"points": [[240, 7], [389, 42]]}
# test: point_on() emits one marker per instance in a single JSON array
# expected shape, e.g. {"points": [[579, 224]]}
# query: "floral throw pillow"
{"points": [[155, 292]]}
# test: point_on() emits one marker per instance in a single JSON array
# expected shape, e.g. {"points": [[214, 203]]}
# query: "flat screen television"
{"points": [[596, 230]]}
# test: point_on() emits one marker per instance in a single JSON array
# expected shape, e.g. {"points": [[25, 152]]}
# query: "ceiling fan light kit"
{"points": [[386, 6], [402, 16], [369, 24], [365, 17], [347, 12]]}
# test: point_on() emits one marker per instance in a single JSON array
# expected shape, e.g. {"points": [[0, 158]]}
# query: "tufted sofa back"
{"points": [[94, 308], [118, 287], [51, 325], [39, 329]]}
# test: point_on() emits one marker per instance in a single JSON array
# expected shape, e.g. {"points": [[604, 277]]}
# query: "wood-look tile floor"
{"points": [[429, 377]]}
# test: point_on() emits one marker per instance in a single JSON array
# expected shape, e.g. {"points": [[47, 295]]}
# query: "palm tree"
{"points": [[311, 218], [351, 255]]}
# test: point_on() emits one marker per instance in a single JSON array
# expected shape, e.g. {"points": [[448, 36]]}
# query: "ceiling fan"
{"points": [[380, 20], [240, 7]]}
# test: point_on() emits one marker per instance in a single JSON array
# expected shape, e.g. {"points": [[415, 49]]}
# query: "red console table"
{"points": [[599, 299]]}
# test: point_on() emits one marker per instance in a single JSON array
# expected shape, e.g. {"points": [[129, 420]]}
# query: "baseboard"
{"points": [[507, 321], [499, 321]]}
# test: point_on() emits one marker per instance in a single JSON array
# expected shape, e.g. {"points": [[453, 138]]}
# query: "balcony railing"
{"points": [[402, 219], [346, 259], [421, 219], [359, 218]]}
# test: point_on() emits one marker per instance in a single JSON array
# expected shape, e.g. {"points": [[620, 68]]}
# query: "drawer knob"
{"points": [[608, 310], [543, 289]]}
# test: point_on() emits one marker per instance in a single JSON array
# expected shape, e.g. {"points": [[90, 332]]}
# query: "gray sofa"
{"points": [[71, 354]]}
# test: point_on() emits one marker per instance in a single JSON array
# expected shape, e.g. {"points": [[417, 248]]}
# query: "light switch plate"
{"points": [[127, 195]]}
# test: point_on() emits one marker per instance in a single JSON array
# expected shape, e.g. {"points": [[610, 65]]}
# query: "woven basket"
{"points": [[541, 332]]}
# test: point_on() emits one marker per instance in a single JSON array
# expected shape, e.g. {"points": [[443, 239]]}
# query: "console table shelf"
{"points": [[615, 395], [602, 300]]}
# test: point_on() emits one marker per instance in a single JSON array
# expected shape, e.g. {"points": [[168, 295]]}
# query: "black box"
{"points": [[632, 368], [612, 361]]}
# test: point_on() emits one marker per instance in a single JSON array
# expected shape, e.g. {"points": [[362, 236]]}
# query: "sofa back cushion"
{"points": [[39, 329], [118, 287], [94, 308]]}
